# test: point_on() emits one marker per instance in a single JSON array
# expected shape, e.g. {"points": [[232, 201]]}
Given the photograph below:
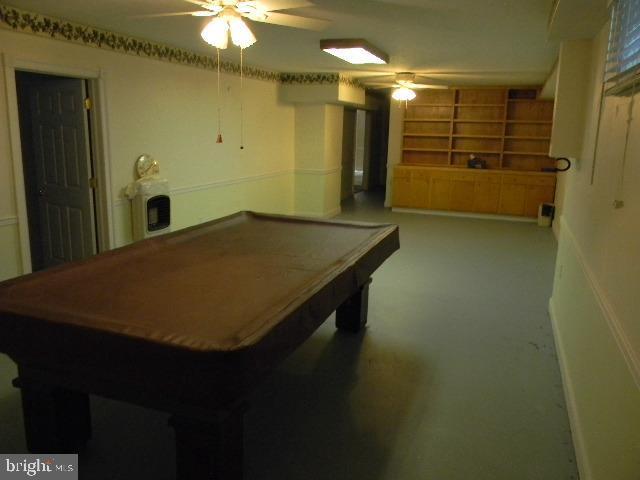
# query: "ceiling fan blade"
{"points": [[418, 86], [197, 13], [203, 4], [295, 21], [271, 5], [379, 85], [390, 79]]}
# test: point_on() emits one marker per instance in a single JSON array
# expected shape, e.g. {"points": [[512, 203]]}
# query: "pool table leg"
{"points": [[56, 420], [351, 316], [209, 449]]}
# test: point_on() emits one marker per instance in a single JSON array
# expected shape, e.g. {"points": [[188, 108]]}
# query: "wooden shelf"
{"points": [[497, 152], [447, 120], [441, 135], [549, 122], [414, 149], [484, 121], [462, 135], [522, 137], [471, 120], [540, 100], [538, 154], [479, 104]]}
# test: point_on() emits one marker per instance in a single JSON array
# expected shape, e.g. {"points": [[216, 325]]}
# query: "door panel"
{"points": [[512, 199], [402, 192], [462, 194], [440, 194], [419, 193], [487, 197], [54, 127]]}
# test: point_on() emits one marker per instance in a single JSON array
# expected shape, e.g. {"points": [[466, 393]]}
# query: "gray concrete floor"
{"points": [[455, 377]]}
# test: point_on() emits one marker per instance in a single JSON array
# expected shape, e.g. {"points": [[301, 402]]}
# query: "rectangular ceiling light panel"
{"points": [[356, 51]]}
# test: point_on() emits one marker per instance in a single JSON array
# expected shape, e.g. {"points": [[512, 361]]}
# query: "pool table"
{"points": [[187, 323]]}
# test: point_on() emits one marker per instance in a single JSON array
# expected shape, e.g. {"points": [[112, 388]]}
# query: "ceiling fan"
{"points": [[266, 11], [403, 83]]}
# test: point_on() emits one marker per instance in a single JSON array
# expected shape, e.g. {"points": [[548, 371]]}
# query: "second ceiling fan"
{"points": [[403, 83]]}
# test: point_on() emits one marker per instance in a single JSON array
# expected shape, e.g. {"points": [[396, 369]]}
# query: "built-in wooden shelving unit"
{"points": [[508, 128]]}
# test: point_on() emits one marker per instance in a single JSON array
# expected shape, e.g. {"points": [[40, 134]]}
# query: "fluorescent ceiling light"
{"points": [[354, 50], [403, 94]]}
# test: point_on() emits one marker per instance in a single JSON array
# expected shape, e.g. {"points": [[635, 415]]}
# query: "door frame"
{"points": [[99, 137]]}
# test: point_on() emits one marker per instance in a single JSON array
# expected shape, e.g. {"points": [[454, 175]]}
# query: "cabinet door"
{"points": [[401, 191], [462, 193], [420, 183], [487, 197], [512, 199], [440, 194], [535, 195]]}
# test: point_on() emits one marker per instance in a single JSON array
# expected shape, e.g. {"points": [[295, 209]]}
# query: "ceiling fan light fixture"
{"points": [[354, 50], [241, 34], [403, 94], [216, 33]]}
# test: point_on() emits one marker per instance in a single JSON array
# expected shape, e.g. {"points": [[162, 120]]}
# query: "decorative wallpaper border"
{"points": [[319, 78], [46, 26]]}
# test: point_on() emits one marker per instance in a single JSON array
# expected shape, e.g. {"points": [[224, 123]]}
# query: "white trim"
{"points": [[53, 69], [6, 221], [446, 213], [230, 181], [101, 148], [15, 148], [102, 161], [317, 171], [631, 356], [219, 183], [570, 399]]}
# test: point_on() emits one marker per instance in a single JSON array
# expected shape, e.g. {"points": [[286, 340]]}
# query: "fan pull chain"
{"points": [[219, 137], [241, 101]]}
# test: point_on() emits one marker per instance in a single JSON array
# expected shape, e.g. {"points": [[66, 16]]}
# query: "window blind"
{"points": [[623, 55]]}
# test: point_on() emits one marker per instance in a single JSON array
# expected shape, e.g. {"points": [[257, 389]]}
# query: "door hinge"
{"points": [[88, 104], [93, 182]]}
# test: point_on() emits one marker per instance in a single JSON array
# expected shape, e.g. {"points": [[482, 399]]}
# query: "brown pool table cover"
{"points": [[218, 287]]}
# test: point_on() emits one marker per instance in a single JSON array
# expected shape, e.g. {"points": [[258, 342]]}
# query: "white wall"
{"points": [[318, 146], [168, 111], [394, 152], [595, 309]]}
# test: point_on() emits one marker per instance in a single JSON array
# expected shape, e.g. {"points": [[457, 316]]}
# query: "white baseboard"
{"points": [[445, 213], [570, 399]]}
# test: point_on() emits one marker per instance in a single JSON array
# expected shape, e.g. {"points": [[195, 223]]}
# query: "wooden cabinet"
{"points": [[487, 196], [478, 191], [402, 189]]}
